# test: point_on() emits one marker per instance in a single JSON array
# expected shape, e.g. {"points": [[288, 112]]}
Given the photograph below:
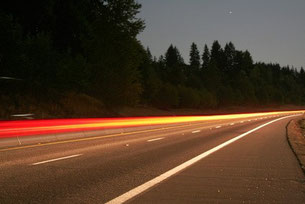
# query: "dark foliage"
{"points": [[66, 46], [55, 47], [227, 77]]}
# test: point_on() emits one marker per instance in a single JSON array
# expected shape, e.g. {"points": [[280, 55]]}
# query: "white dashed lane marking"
{"points": [[57, 159], [155, 139]]}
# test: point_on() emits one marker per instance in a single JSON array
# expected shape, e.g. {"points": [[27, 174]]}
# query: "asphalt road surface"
{"points": [[231, 161]]}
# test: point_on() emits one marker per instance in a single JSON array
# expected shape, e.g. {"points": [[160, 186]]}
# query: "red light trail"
{"points": [[39, 127]]}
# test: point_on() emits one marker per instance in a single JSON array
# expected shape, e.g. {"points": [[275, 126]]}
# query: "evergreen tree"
{"points": [[205, 57], [194, 58], [217, 55], [174, 66], [114, 54], [173, 56], [192, 71], [229, 52]]}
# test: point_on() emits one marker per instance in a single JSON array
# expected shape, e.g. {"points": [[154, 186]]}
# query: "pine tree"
{"points": [[216, 52], [172, 56], [217, 56], [179, 56], [194, 58], [206, 56], [174, 66], [229, 52]]}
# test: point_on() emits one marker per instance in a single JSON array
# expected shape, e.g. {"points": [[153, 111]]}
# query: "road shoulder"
{"points": [[296, 141]]}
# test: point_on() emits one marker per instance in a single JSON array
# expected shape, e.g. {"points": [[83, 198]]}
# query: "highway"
{"points": [[219, 161]]}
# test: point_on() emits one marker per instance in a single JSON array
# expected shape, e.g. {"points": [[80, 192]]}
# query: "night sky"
{"points": [[272, 30]]}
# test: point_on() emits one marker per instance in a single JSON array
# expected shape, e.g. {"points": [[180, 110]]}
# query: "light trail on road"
{"points": [[157, 163], [39, 127]]}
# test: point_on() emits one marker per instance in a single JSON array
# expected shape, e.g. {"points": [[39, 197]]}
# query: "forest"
{"points": [[51, 48]]}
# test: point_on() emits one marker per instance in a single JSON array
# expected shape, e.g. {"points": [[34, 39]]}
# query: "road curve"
{"points": [[259, 167]]}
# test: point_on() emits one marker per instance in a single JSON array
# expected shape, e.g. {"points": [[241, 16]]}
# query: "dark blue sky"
{"points": [[272, 30]]}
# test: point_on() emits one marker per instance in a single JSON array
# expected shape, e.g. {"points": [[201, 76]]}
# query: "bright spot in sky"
{"points": [[230, 12]]}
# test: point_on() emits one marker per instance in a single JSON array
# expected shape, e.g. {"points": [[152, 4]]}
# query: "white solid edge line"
{"points": [[196, 131], [52, 160], [140, 189], [160, 138]]}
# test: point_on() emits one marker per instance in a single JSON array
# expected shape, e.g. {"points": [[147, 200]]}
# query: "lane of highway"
{"points": [[259, 168], [104, 141], [99, 170]]}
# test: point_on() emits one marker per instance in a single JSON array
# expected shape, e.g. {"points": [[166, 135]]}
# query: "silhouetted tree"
{"points": [[217, 55], [173, 57], [174, 66], [205, 57], [229, 52], [194, 59]]}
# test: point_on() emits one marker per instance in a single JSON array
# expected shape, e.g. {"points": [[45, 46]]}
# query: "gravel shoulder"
{"points": [[296, 138]]}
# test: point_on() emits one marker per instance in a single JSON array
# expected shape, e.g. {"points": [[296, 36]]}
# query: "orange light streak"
{"points": [[39, 127]]}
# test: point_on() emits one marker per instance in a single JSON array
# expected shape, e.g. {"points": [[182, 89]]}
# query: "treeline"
{"points": [[53, 47], [219, 77]]}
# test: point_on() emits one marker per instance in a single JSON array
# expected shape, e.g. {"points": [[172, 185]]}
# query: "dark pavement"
{"points": [[257, 168]]}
